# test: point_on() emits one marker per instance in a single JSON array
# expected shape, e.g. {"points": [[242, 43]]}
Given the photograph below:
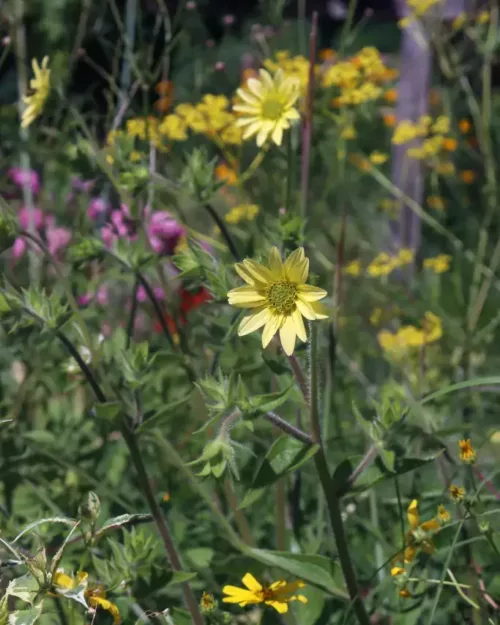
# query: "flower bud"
{"points": [[89, 509]]}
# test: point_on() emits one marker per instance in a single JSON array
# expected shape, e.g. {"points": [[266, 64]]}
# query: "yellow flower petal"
{"points": [[306, 309], [275, 264], [251, 583], [258, 271], [244, 294], [279, 606], [288, 336], [310, 293], [270, 329], [254, 321], [413, 517], [320, 310], [299, 325]]}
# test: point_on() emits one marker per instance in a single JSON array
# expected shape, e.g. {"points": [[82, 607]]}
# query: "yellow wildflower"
{"points": [[243, 212], [269, 105], [441, 125], [207, 603], [404, 593], [326, 54], [421, 7], [439, 264], [277, 595], [450, 144], [232, 135], [174, 127], [382, 265], [227, 174], [378, 158], [397, 570], [420, 534], [457, 493], [459, 21], [432, 327], [405, 256], [136, 127], [376, 316], [353, 268], [40, 87], [279, 297], [443, 515], [348, 132], [436, 202], [94, 595], [467, 451], [391, 96], [404, 132], [445, 168], [389, 120], [483, 17]]}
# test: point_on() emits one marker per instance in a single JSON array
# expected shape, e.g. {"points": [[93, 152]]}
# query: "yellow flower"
{"points": [[40, 86], [173, 127], [405, 256], [269, 105], [467, 451], [457, 493], [382, 265], [243, 212], [95, 596], [391, 96], [450, 144], [376, 316], [432, 327], [465, 126], [404, 132], [441, 125], [207, 603], [277, 595], [349, 132], [404, 593], [419, 536], [459, 21], [436, 202], [397, 570], [483, 17], [353, 268], [226, 174], [378, 158], [279, 297], [439, 264], [389, 120], [443, 515]]}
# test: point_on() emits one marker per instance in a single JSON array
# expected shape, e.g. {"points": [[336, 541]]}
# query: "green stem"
{"points": [[224, 231], [330, 492]]}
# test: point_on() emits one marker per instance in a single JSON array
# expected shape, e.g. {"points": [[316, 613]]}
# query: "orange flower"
{"points": [[227, 174], [391, 96], [464, 126], [449, 144], [389, 120], [468, 176], [165, 89], [166, 497], [327, 54]]}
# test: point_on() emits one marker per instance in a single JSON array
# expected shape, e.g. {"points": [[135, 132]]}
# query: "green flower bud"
{"points": [[90, 508]]}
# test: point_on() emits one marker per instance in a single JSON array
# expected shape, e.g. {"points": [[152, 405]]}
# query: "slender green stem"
{"points": [[288, 428], [224, 231], [133, 313], [239, 516], [280, 508], [330, 492], [157, 307]]}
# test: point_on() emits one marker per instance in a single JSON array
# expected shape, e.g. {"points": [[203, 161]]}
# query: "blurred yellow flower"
{"points": [[443, 515], [382, 265], [279, 297], [441, 125], [378, 158], [242, 212], [449, 144], [457, 493], [227, 174], [353, 268], [483, 17], [464, 126], [438, 264], [459, 21], [389, 120], [436, 202], [468, 176], [40, 87], [277, 595], [391, 96], [467, 451], [269, 105], [174, 127]]}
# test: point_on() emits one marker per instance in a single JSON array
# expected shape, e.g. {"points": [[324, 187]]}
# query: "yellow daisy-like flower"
{"points": [[467, 451], [279, 297], [457, 493], [40, 86], [268, 107], [277, 595]]}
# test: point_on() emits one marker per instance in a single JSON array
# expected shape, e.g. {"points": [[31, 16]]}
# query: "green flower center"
{"points": [[272, 108], [281, 297]]}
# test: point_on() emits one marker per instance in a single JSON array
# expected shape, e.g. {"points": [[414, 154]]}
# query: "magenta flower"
{"points": [[85, 186], [97, 206], [24, 218], [25, 177], [57, 239], [121, 226], [19, 248], [84, 299], [142, 296], [164, 232]]}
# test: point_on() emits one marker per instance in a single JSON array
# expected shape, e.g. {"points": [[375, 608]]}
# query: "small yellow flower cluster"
{"points": [[292, 67], [433, 134], [418, 8], [457, 493], [419, 537], [243, 212], [438, 264], [40, 88], [461, 20], [409, 336], [384, 264], [467, 451], [358, 78], [390, 206]]}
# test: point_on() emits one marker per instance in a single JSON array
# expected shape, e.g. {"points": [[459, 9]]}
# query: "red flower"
{"points": [[188, 301]]}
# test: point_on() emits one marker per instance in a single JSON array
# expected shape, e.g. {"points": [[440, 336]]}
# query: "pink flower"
{"points": [[102, 295], [85, 186], [84, 299], [24, 218], [121, 226], [25, 177], [164, 232], [96, 207], [57, 239], [142, 296], [18, 248]]}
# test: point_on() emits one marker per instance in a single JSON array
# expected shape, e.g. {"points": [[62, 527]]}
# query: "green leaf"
{"points": [[487, 381], [309, 613], [124, 519], [260, 404], [286, 455], [25, 588], [314, 569], [52, 519], [76, 594], [388, 458], [180, 577], [108, 411], [157, 419], [26, 617], [200, 557]]}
